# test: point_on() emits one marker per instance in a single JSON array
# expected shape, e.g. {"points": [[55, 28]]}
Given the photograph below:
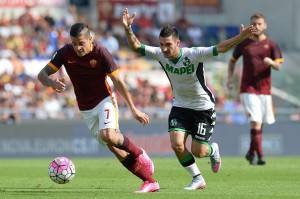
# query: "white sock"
{"points": [[193, 170], [213, 148]]}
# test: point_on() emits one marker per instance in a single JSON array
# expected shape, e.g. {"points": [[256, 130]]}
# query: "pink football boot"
{"points": [[147, 187]]}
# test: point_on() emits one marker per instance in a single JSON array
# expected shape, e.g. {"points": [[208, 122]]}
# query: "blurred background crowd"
{"points": [[31, 33]]}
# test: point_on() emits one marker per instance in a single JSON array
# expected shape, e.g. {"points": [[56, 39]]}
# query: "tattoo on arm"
{"points": [[133, 41]]}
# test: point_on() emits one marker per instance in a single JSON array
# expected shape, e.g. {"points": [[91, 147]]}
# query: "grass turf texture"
{"points": [[106, 178]]}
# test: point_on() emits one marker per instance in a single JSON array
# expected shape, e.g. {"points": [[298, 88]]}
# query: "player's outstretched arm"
{"points": [[229, 43], [58, 84], [127, 20], [122, 89]]}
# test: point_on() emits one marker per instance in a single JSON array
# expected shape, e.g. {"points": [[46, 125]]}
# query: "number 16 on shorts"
{"points": [[204, 131]]}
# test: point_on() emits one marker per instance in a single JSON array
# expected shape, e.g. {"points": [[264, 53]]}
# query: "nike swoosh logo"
{"points": [[107, 122], [71, 62]]}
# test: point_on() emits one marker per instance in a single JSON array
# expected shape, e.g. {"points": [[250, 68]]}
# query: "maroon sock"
{"points": [[130, 163], [130, 147], [252, 142], [259, 148]]}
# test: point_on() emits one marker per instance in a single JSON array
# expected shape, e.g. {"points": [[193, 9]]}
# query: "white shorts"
{"points": [[259, 108], [102, 116]]}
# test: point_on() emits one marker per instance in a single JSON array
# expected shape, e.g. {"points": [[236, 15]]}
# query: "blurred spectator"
{"points": [[211, 35], [38, 36], [144, 22], [110, 42], [70, 17], [182, 25], [195, 35], [26, 19]]}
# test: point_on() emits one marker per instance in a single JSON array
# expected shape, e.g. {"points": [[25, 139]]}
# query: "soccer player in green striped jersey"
{"points": [[193, 110]]}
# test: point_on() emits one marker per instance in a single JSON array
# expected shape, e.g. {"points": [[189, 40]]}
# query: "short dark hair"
{"points": [[169, 30], [79, 28], [258, 15]]}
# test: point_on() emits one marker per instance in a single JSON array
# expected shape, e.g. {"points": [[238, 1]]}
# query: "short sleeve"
{"points": [[57, 60], [237, 52], [276, 53], [202, 53], [108, 61], [150, 51]]}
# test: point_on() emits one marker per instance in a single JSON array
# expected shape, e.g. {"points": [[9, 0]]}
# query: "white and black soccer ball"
{"points": [[61, 170]]}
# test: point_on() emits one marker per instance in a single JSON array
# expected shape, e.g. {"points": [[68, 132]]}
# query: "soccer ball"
{"points": [[61, 170]]}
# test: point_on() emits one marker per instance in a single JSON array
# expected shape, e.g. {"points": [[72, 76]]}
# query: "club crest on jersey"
{"points": [[266, 46], [93, 63], [173, 122], [186, 61]]}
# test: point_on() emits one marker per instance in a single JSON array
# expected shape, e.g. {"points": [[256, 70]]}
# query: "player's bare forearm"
{"points": [[127, 20], [231, 66], [225, 45], [276, 66], [272, 63], [44, 74], [122, 89], [229, 43], [134, 43]]}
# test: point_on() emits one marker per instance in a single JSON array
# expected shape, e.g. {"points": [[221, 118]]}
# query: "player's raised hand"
{"points": [[141, 117], [247, 31], [59, 85], [127, 19]]}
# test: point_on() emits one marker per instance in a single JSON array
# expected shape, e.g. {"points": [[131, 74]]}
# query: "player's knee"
{"points": [[199, 153], [178, 147], [108, 136]]}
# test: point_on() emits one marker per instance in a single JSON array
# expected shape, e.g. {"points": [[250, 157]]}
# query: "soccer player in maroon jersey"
{"points": [[88, 65], [260, 55]]}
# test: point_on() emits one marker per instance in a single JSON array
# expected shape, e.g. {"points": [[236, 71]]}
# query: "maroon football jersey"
{"points": [[256, 77], [87, 73]]}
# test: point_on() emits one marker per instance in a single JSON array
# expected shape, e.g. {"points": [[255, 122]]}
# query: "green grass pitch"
{"points": [[106, 178]]}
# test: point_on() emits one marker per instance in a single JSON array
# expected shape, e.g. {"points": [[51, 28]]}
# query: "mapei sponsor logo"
{"points": [[188, 68]]}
